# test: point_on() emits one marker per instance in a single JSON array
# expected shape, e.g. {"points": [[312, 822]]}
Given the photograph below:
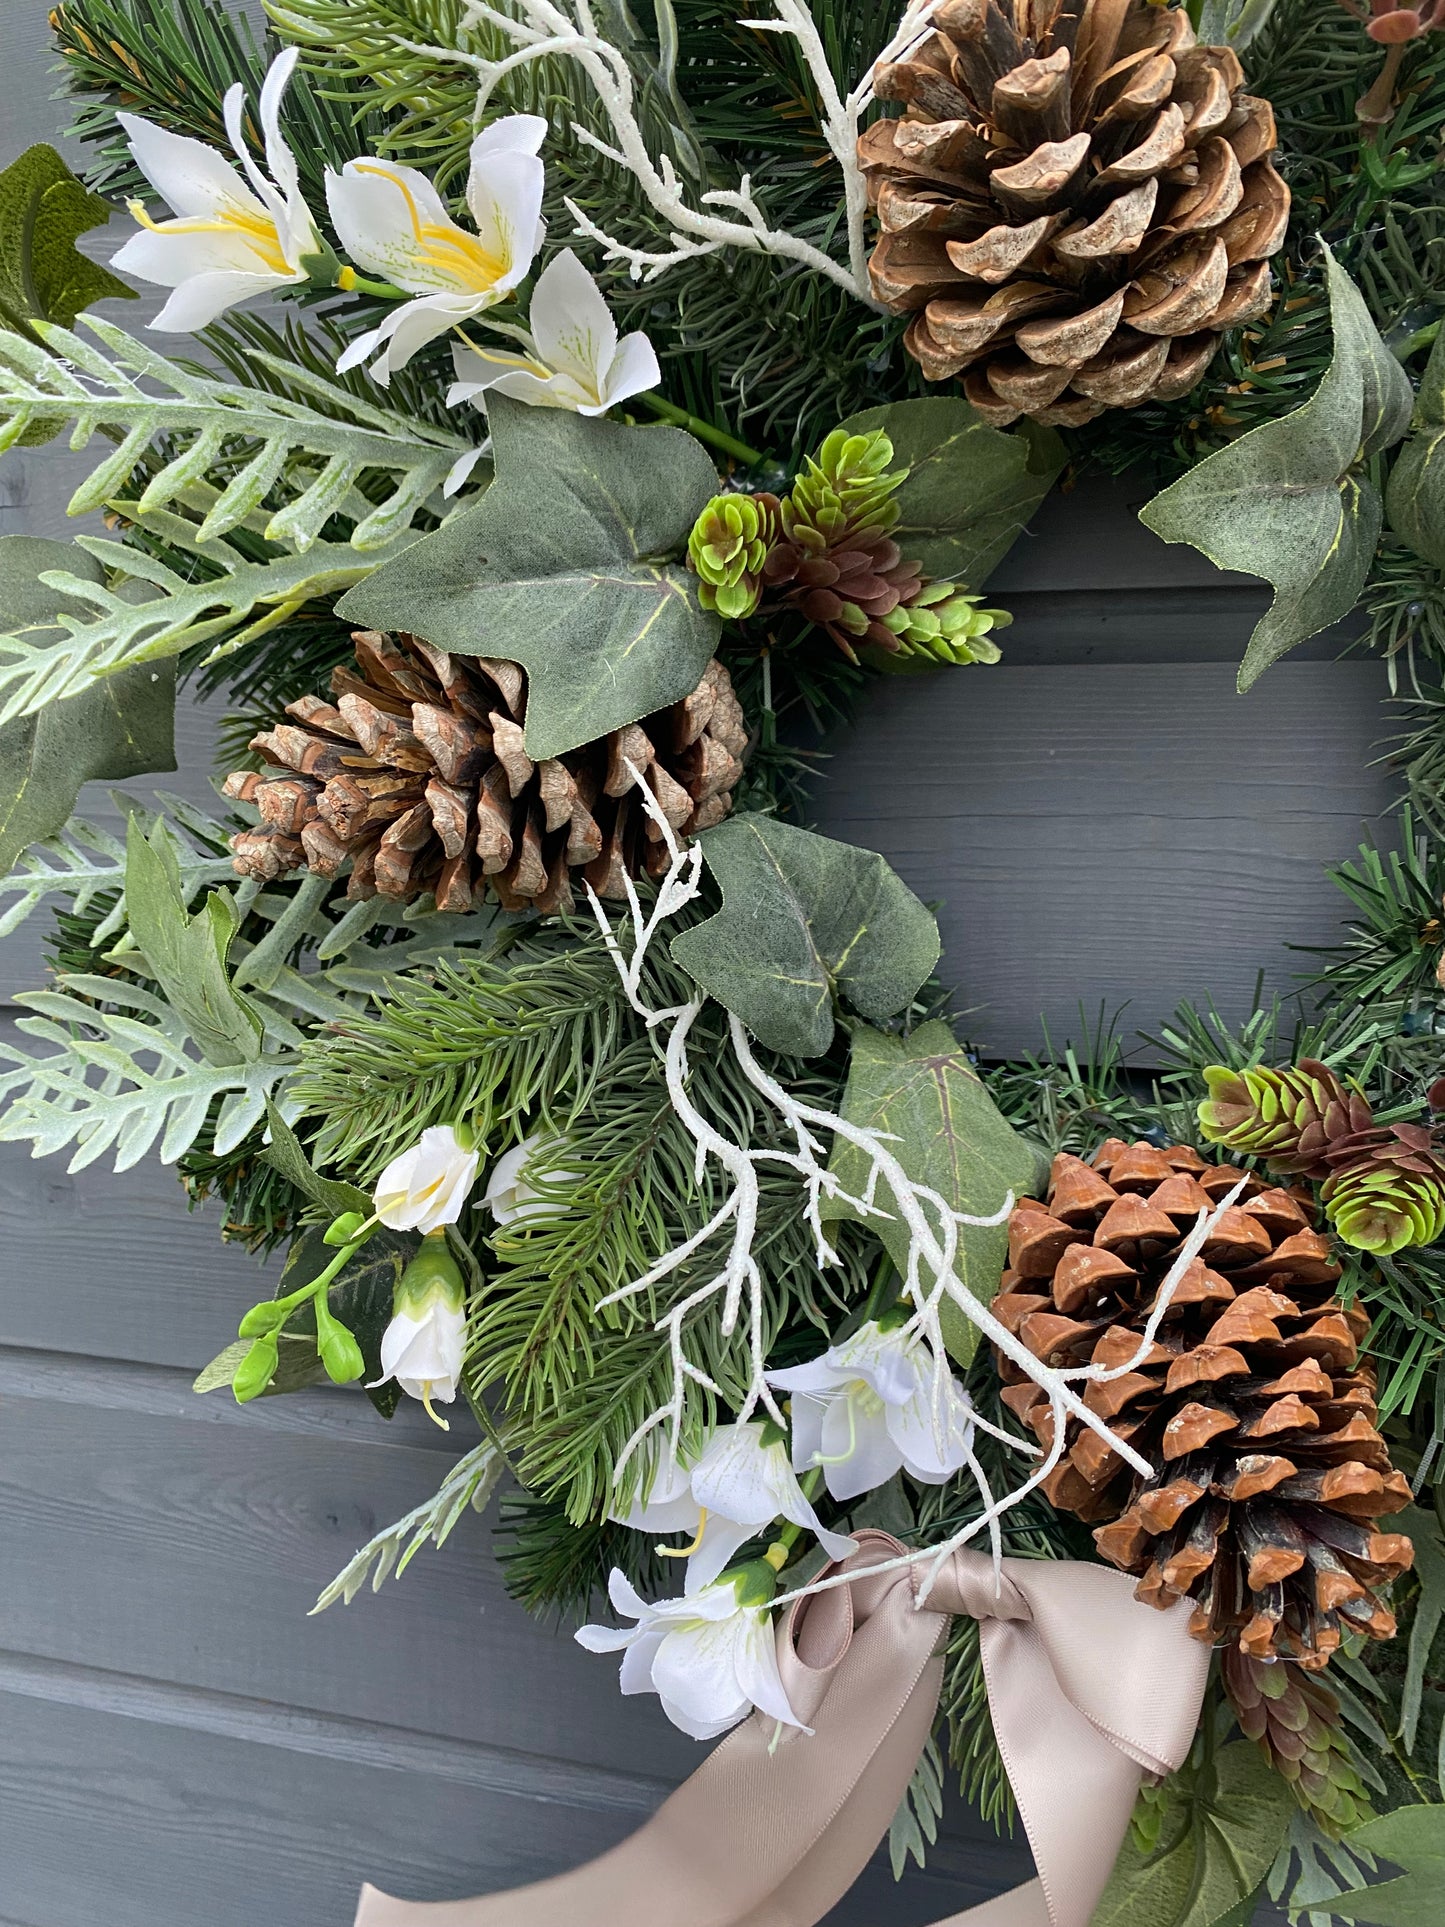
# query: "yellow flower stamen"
{"points": [[450, 252], [258, 229], [686, 1552], [431, 1412]]}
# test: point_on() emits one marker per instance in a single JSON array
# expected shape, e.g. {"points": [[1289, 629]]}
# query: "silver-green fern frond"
{"points": [[470, 1483]]}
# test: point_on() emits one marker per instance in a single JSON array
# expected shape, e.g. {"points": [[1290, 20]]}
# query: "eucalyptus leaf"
{"points": [[1413, 1839], [566, 566], [971, 489], [187, 954], [43, 275], [804, 922], [950, 1135], [1224, 1823], [1415, 492], [1291, 501], [124, 726]]}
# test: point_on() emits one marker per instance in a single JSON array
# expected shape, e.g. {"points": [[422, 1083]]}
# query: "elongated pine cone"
{"points": [[1077, 201], [1252, 1404], [418, 776]]}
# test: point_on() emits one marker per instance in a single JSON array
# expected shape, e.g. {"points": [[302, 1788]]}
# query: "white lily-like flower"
{"points": [[428, 1186], [392, 220], [228, 240], [867, 1409], [710, 1657], [576, 360], [424, 1345], [511, 1194], [741, 1482]]}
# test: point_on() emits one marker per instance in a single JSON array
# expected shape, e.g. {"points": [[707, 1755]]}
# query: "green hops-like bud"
{"points": [[728, 546], [843, 490], [1379, 1207], [1290, 1116], [946, 624]]}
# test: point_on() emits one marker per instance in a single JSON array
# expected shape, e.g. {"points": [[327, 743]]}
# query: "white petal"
{"points": [[551, 391], [197, 303], [171, 257], [505, 196], [193, 178], [807, 1415], [695, 1669], [570, 323], [279, 158], [818, 1375], [721, 1538], [636, 1674], [476, 370], [409, 328], [625, 1597], [705, 1729], [933, 1444], [873, 1457], [392, 220], [605, 1639], [633, 370], [460, 471], [736, 1476], [756, 1664], [513, 134]]}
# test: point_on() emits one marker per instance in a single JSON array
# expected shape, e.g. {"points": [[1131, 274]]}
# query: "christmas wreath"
{"points": [[1068, 1433]]}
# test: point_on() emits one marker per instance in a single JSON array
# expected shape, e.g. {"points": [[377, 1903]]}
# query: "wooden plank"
{"points": [[1117, 834], [114, 1819]]}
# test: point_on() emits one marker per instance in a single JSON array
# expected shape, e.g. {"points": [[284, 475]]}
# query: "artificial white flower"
{"points": [[229, 241], [740, 1484], [428, 1186], [576, 360], [511, 1195], [423, 1346], [866, 1409], [393, 221], [710, 1657]]}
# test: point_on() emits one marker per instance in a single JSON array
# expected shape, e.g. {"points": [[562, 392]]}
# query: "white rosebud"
{"points": [[576, 359], [710, 1657], [428, 1186], [873, 1406], [231, 238], [511, 1195], [424, 1346]]}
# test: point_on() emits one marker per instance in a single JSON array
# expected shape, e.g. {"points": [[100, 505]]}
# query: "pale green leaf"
{"points": [[949, 1135], [1289, 501], [122, 727], [1415, 492], [313, 455], [297, 1366], [971, 489], [1230, 23], [185, 953], [805, 922], [1413, 1839], [1223, 1825], [566, 566], [284, 1151], [43, 275], [1423, 1530]]}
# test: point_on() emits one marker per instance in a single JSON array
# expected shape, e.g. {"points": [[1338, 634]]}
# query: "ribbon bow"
{"points": [[1088, 1688]]}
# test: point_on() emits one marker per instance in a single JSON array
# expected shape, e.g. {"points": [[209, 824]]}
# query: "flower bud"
{"points": [[424, 1346], [428, 1186]]}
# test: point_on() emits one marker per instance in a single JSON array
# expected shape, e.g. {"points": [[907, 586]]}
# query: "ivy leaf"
{"points": [[1290, 501], [1223, 1825], [1415, 492], [43, 276], [971, 489], [563, 566], [1413, 1839], [187, 954], [124, 726], [805, 921], [950, 1136], [285, 1153]]}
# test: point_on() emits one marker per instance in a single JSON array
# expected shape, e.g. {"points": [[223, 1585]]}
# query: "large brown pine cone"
{"points": [[1077, 201], [418, 775], [1252, 1405]]}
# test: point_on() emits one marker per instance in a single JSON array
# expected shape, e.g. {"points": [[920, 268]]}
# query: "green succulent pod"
{"points": [[1294, 1720], [1380, 1207], [1289, 1116], [728, 546], [842, 491], [946, 624]]}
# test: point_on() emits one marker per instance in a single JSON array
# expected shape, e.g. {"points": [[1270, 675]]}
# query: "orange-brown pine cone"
{"points": [[418, 776], [1252, 1404], [1077, 201]]}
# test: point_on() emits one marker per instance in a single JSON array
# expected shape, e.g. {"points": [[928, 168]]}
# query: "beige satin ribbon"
{"points": [[1089, 1690]]}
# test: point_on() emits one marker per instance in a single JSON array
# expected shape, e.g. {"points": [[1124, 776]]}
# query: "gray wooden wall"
{"points": [[180, 1746]]}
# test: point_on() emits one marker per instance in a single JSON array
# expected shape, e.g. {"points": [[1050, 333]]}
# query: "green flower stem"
{"points": [[704, 431], [268, 1309], [350, 282]]}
